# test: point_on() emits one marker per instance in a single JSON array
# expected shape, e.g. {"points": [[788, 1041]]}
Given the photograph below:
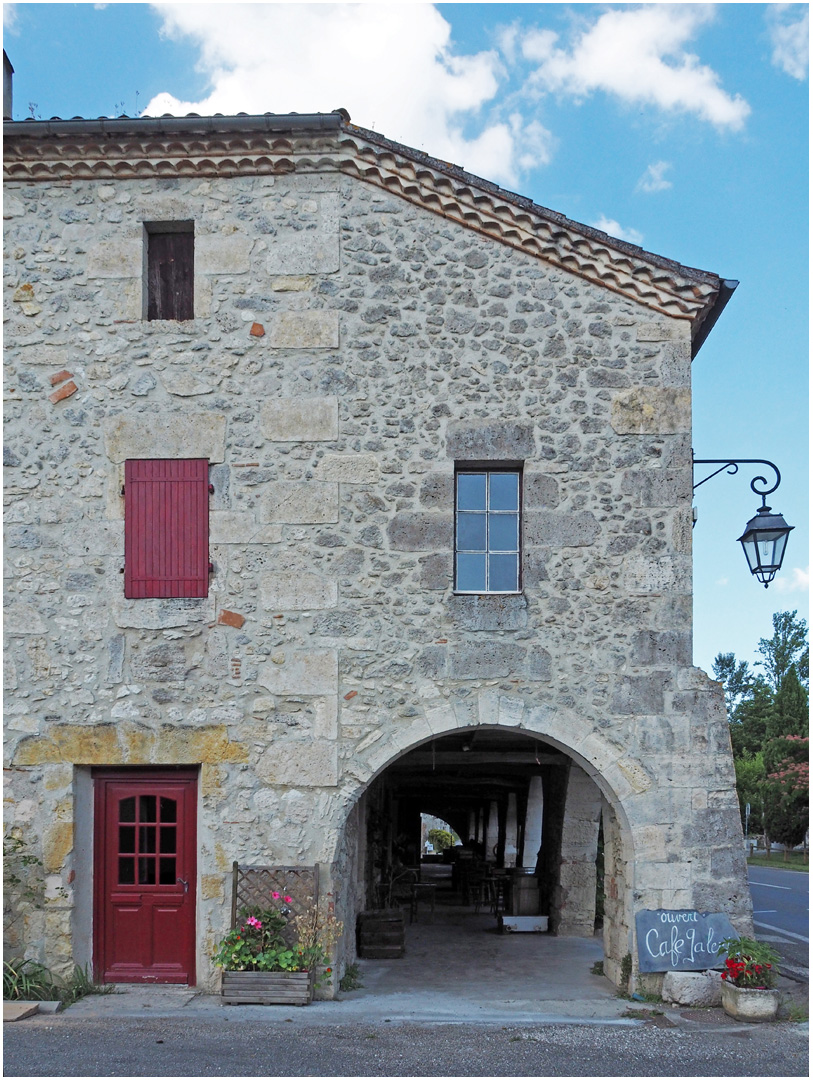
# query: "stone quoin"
{"points": [[369, 325]]}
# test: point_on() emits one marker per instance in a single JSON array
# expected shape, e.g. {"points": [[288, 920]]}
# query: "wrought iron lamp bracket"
{"points": [[731, 466]]}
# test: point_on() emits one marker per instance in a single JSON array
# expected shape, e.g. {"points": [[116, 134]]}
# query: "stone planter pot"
{"points": [[750, 1006], [266, 987]]}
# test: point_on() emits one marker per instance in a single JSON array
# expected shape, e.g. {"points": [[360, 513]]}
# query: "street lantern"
{"points": [[763, 542], [766, 534]]}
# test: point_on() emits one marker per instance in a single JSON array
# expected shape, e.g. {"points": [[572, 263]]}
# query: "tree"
{"points": [[787, 790], [749, 725], [790, 712], [787, 647], [750, 772], [440, 839], [735, 677]]}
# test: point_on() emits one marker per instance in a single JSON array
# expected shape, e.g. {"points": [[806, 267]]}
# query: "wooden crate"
{"points": [[266, 987]]}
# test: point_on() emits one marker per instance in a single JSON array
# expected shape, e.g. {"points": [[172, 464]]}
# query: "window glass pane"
{"points": [[471, 573], [147, 808], [168, 810], [502, 573], [471, 532], [504, 491], [471, 491], [146, 871], [127, 809], [502, 532], [166, 871], [168, 840], [127, 838], [126, 871], [146, 841]]}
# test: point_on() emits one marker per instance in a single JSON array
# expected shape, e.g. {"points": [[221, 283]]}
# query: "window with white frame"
{"points": [[487, 530]]}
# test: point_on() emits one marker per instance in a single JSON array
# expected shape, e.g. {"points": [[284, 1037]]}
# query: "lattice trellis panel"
{"points": [[254, 886]]}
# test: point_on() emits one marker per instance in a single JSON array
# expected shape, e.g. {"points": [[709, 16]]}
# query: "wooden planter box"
{"points": [[266, 987]]}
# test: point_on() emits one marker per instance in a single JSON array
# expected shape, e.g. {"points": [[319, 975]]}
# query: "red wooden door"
{"points": [[145, 869]]}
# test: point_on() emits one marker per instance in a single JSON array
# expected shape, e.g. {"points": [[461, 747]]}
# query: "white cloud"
{"points": [[799, 581], [9, 16], [392, 66], [789, 30], [608, 225], [639, 56], [723, 581], [654, 179]]}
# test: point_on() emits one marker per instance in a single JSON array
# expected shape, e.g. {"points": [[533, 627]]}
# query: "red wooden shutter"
{"points": [[166, 528]]}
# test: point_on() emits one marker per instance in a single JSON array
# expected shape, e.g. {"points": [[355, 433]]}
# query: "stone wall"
{"points": [[347, 349]]}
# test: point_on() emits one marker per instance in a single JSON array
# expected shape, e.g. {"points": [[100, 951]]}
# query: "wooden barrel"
{"points": [[380, 934]]}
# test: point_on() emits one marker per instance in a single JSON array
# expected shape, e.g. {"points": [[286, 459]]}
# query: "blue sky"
{"points": [[683, 128]]}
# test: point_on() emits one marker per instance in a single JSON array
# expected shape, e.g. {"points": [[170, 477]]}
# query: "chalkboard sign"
{"points": [[682, 940]]}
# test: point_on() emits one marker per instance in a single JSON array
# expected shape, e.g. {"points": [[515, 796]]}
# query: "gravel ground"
{"points": [[192, 1047]]}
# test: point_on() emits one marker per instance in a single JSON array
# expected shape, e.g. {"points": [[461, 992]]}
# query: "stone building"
{"points": [[341, 486]]}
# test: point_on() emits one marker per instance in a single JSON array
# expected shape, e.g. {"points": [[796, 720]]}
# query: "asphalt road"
{"points": [[781, 916], [193, 1047]]}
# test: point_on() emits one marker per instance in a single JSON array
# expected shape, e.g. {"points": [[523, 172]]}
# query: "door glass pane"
{"points": [[502, 532], [147, 808], [471, 491], [126, 871], [502, 573], [127, 809], [169, 810], [166, 871], [504, 491], [471, 532], [146, 871], [127, 838], [471, 573], [168, 840], [146, 839]]}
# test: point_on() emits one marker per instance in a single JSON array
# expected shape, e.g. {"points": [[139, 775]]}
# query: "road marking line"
{"points": [[779, 930], [765, 885], [767, 911]]}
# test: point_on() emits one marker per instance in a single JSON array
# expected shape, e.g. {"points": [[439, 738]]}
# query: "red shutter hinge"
{"points": [[211, 567], [122, 489], [211, 489]]}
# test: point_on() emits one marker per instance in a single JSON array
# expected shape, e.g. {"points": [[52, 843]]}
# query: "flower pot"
{"points": [[266, 987], [750, 1006]]}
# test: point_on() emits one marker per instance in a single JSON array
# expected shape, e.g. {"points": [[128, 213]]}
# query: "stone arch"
{"points": [[617, 776]]}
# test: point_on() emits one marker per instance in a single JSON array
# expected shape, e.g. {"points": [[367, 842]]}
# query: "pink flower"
{"points": [[288, 899], [251, 921], [275, 895]]}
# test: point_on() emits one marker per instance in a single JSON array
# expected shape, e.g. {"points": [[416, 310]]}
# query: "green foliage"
{"points": [[735, 677], [768, 717], [26, 980], [785, 648], [750, 772], [749, 724], [351, 980], [597, 968], [790, 713], [786, 792], [626, 970], [440, 839], [260, 943], [23, 884], [749, 963]]}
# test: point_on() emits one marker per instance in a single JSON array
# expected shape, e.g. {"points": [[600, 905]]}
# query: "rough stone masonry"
{"points": [[365, 319]]}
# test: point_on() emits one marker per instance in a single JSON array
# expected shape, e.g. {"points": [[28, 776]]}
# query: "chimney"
{"points": [[8, 71]]}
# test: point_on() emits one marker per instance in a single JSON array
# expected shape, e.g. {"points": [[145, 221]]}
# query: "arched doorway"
{"points": [[522, 803]]}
